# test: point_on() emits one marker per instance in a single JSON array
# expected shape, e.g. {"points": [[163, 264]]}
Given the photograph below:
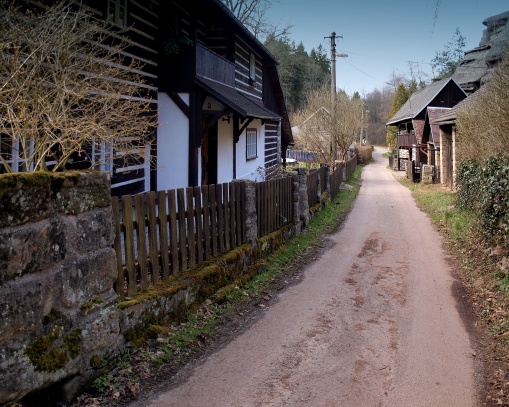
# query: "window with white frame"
{"points": [[251, 148], [12, 154], [117, 12], [102, 156]]}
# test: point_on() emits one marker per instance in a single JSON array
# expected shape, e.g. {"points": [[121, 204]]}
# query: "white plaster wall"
{"points": [[172, 144], [249, 169], [224, 151]]}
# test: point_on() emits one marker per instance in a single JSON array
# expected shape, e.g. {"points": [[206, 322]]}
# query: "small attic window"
{"points": [[252, 69]]}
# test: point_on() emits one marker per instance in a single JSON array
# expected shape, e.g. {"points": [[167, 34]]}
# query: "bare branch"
{"points": [[66, 83]]}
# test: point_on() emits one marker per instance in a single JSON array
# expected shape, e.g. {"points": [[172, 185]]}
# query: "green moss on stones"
{"points": [[97, 362], [90, 304], [26, 179], [73, 342], [44, 355], [48, 353]]}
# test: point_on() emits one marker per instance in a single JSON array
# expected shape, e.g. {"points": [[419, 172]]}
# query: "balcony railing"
{"points": [[213, 66]]}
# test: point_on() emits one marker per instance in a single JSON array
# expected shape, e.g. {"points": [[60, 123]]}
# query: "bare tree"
{"points": [[254, 15], [66, 88], [326, 128]]}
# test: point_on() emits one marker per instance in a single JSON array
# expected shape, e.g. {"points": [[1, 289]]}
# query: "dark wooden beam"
{"points": [[236, 134], [184, 108], [216, 115]]}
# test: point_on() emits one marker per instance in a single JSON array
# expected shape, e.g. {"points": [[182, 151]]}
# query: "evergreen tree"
{"points": [[449, 58], [299, 72], [400, 97]]}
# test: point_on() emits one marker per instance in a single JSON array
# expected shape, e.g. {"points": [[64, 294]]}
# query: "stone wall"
{"points": [[57, 269], [61, 319]]}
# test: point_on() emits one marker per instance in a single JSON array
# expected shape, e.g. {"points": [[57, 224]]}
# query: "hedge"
{"points": [[483, 187]]}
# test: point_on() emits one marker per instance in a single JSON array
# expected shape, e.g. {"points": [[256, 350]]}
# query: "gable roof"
{"points": [[449, 117], [420, 100]]}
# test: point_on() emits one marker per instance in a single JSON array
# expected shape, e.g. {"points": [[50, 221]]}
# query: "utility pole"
{"points": [[333, 56], [333, 64]]}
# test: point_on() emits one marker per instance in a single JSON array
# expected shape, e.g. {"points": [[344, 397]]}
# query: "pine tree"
{"points": [[400, 97]]}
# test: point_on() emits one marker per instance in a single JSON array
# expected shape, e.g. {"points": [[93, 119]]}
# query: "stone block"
{"points": [[89, 231], [24, 197], [80, 192], [86, 277], [31, 248], [24, 304]]}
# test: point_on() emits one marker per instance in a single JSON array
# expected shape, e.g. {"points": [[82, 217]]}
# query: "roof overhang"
{"points": [[236, 101]]}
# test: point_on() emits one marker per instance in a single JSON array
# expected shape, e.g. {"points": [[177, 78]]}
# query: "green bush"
{"points": [[483, 186]]}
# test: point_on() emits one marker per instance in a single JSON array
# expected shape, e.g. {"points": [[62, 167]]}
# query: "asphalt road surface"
{"points": [[373, 323]]}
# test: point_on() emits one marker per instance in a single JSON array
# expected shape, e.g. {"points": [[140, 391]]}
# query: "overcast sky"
{"points": [[380, 36]]}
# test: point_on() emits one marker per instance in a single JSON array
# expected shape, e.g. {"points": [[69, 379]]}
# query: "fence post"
{"points": [[250, 217], [326, 179], [343, 165], [295, 202], [302, 174]]}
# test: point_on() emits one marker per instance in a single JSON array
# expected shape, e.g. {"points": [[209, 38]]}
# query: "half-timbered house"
{"points": [[221, 105], [215, 88]]}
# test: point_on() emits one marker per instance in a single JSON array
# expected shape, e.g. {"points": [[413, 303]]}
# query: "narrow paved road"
{"points": [[373, 323]]}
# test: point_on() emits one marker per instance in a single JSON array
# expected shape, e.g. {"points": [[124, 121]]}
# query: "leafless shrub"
{"points": [[483, 124], [326, 128], [66, 83]]}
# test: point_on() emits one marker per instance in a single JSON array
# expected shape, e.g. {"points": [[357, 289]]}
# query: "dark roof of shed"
{"points": [[240, 104], [449, 117], [419, 101]]}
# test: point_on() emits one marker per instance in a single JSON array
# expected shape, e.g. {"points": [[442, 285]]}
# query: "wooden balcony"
{"points": [[212, 66], [406, 139]]}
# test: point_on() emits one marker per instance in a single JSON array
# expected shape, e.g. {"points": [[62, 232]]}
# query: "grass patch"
{"points": [[172, 346], [440, 204]]}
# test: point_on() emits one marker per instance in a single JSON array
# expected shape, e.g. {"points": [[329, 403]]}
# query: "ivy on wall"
{"points": [[483, 187]]}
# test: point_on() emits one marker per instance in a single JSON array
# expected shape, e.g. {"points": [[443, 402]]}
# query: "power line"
{"points": [[391, 59]]}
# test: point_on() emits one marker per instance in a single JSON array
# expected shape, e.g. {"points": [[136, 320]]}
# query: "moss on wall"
{"points": [[45, 355]]}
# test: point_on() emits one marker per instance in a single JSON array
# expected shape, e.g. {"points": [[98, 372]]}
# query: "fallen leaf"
{"points": [[133, 388]]}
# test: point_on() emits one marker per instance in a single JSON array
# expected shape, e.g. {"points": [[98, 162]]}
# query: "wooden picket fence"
{"points": [[159, 234], [164, 233], [274, 204], [323, 185], [350, 166]]}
